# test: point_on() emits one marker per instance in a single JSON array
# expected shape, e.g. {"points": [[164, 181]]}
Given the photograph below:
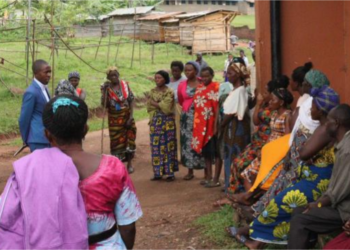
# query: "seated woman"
{"points": [[262, 119], [204, 126], [272, 226], [108, 192], [160, 107], [280, 101], [283, 174]]}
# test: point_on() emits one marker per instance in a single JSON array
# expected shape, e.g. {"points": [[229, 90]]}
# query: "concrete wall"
{"points": [[316, 31]]}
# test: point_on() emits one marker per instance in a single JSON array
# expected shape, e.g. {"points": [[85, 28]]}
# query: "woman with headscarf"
{"points": [[64, 87], [280, 101], [74, 79], [185, 93], [272, 226], [160, 107], [235, 125], [118, 98], [283, 174]]}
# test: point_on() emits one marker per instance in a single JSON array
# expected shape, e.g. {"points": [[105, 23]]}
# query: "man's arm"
{"points": [[27, 109], [128, 233]]}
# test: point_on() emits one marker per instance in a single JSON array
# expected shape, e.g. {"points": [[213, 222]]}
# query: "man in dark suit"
{"points": [[34, 101]]}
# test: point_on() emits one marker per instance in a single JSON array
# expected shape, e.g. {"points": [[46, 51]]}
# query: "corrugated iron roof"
{"points": [[131, 11], [170, 21], [192, 14], [211, 12], [159, 16]]}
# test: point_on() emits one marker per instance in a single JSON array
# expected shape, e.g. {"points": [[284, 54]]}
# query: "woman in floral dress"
{"points": [[204, 126], [272, 225], [118, 98], [160, 107], [185, 93]]}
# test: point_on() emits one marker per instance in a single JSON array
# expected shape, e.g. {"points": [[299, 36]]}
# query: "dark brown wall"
{"points": [[316, 31]]}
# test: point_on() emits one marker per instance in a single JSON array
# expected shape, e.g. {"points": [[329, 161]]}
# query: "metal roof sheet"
{"points": [[131, 11], [159, 16]]}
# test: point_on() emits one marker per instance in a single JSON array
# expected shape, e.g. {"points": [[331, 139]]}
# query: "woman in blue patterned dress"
{"points": [[272, 225]]}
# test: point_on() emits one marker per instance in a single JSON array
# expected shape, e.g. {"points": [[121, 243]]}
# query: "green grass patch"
{"points": [[140, 76], [243, 20], [212, 226]]}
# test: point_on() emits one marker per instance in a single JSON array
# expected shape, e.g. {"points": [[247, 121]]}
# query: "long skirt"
{"points": [[286, 177], [189, 158], [163, 145], [236, 137], [122, 139], [273, 224]]}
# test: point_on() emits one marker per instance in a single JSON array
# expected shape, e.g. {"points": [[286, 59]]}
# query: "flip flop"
{"points": [[188, 177], [203, 182], [241, 239], [232, 231], [170, 178], [212, 184]]}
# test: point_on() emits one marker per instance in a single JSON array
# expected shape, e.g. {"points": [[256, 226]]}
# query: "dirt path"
{"points": [[169, 208]]}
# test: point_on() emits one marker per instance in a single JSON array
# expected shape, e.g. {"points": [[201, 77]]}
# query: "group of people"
{"points": [[284, 169]]}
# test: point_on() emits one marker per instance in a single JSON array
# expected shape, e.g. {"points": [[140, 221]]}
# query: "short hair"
{"points": [[66, 121], [281, 82], [299, 73], [342, 114], [209, 69], [178, 64], [37, 65]]}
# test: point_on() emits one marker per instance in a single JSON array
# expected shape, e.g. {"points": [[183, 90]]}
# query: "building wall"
{"points": [[316, 31]]}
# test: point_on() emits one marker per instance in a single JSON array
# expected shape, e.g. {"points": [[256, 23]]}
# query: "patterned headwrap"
{"points": [[195, 65], [316, 78], [284, 95], [241, 70], [74, 74], [111, 69], [64, 87], [325, 98]]}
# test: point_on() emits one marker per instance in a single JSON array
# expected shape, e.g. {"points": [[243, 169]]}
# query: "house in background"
{"points": [[246, 7]]}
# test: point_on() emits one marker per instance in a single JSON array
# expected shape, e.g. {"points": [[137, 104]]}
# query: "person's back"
{"points": [[109, 196]]}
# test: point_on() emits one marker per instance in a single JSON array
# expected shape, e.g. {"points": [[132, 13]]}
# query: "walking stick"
{"points": [[103, 118]]}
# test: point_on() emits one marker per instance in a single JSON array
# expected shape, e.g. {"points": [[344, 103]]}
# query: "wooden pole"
{"points": [[120, 39], [52, 49], [140, 51], [152, 52], [28, 42], [33, 41], [133, 44], [109, 40], [98, 47]]}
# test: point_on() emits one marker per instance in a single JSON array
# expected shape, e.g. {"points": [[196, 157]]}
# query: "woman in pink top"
{"points": [[185, 92], [108, 193]]}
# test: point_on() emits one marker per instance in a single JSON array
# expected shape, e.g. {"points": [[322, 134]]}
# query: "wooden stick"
{"points": [[109, 40], [120, 39], [103, 119], [133, 44], [52, 49], [98, 47]]}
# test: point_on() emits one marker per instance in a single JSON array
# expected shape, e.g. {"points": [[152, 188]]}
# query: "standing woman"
{"points": [[119, 100], [206, 101], [186, 90], [74, 79], [236, 122], [160, 107], [177, 68]]}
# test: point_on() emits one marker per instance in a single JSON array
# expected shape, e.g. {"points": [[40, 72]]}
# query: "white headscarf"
{"points": [[304, 118]]}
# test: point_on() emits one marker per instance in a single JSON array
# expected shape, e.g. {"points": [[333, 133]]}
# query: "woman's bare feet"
{"points": [[222, 202], [253, 244], [242, 198]]}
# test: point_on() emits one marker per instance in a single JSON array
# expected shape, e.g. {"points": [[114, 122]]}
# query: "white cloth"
{"points": [[237, 103], [43, 89], [227, 63], [225, 88], [252, 70], [304, 118], [302, 99], [175, 85], [246, 61]]}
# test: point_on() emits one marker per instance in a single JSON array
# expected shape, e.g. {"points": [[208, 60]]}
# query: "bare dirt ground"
{"points": [[169, 208]]}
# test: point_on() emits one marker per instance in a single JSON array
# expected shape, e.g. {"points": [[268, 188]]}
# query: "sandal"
{"points": [[232, 231], [170, 178], [212, 184], [241, 239], [188, 177], [156, 178], [203, 182]]}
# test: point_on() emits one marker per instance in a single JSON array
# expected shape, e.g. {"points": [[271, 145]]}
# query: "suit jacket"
{"points": [[30, 121]]}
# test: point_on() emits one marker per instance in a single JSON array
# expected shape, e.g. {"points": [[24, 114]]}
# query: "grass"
{"points": [[140, 77], [243, 20]]}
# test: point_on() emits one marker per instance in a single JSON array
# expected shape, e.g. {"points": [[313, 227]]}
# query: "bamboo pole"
{"points": [[52, 49], [98, 47], [120, 39], [133, 44], [28, 42], [109, 41], [33, 41]]}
